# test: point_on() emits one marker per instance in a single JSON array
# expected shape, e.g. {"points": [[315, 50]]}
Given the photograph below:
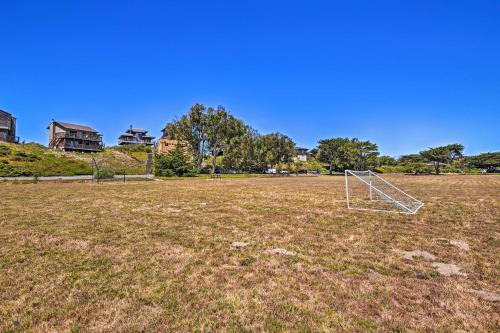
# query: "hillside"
{"points": [[36, 160]]}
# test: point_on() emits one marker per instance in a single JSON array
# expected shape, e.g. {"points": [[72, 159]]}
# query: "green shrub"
{"points": [[21, 156], [450, 169], [134, 148], [417, 168], [173, 163], [4, 150], [390, 169], [104, 173], [7, 170]]}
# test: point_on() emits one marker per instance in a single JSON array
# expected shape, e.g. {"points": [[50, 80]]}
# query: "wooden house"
{"points": [[7, 127], [135, 136], [73, 137]]}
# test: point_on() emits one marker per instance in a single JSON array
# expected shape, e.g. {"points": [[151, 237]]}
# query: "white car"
{"points": [[271, 171]]}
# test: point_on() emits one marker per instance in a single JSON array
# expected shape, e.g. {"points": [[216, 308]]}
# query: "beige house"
{"points": [[166, 145]]}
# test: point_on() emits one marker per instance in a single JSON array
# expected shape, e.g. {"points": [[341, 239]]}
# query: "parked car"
{"points": [[284, 172], [271, 171]]}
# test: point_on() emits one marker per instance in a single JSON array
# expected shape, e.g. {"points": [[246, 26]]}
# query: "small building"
{"points": [[302, 154], [135, 136], [7, 127], [166, 144], [73, 137]]}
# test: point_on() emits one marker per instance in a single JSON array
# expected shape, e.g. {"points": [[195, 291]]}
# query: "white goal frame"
{"points": [[398, 193]]}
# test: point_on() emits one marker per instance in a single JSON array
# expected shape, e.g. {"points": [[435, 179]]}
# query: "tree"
{"points": [[191, 129], [335, 152], [488, 161], [366, 154], [274, 150], [442, 155], [385, 160], [345, 153], [240, 153], [221, 130], [411, 158]]}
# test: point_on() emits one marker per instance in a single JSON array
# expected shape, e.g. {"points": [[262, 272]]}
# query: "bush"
{"points": [[134, 148], [174, 163], [390, 169], [450, 169], [104, 173], [25, 157], [4, 150], [417, 168], [7, 170]]}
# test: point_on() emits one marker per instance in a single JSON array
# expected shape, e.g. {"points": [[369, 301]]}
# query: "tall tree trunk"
{"points": [[436, 166], [331, 168], [215, 152], [214, 157]]}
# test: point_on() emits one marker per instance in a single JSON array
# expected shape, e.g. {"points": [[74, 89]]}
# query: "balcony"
{"points": [[79, 146], [134, 142], [78, 136]]}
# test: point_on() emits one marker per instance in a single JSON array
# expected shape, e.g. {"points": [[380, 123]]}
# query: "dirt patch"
{"points": [[448, 269], [410, 255], [239, 245], [281, 252], [374, 276], [461, 245], [486, 295]]}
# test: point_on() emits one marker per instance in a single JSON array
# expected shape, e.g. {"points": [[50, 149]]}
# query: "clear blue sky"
{"points": [[404, 74]]}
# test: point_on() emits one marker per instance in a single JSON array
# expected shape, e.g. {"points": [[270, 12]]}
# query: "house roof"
{"points": [[301, 148], [76, 127], [137, 130], [126, 134], [5, 112]]}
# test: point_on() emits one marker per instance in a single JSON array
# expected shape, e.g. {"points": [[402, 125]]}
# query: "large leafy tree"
{"points": [[487, 161], [411, 158], [222, 131], [344, 153], [366, 154], [443, 155], [336, 152], [385, 160], [274, 150], [191, 129]]}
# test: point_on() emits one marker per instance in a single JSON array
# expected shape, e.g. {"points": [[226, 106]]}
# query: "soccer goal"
{"points": [[366, 190]]}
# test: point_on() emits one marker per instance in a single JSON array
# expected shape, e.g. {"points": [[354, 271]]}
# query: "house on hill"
{"points": [[166, 145], [302, 154], [73, 137], [135, 136], [7, 127]]}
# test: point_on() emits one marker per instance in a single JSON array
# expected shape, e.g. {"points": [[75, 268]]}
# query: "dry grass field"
{"points": [[159, 256]]}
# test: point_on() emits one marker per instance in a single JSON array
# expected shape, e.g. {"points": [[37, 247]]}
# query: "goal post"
{"points": [[365, 190]]}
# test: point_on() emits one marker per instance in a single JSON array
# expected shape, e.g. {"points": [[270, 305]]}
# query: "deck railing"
{"points": [[79, 136]]}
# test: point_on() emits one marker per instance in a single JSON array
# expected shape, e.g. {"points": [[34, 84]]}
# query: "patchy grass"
{"points": [[158, 256]]}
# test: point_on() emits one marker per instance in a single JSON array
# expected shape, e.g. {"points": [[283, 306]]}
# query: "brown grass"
{"points": [[157, 256]]}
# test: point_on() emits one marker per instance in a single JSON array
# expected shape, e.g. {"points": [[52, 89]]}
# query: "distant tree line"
{"points": [[213, 139]]}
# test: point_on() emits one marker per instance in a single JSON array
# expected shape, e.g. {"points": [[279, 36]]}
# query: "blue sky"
{"points": [[404, 74]]}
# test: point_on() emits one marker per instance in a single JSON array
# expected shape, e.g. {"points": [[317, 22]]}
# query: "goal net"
{"points": [[366, 190]]}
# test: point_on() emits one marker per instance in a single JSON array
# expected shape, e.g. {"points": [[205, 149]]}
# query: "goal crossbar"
{"points": [[408, 209]]}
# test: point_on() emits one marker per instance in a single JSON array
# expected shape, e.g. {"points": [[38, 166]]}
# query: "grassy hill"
{"points": [[36, 160]]}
